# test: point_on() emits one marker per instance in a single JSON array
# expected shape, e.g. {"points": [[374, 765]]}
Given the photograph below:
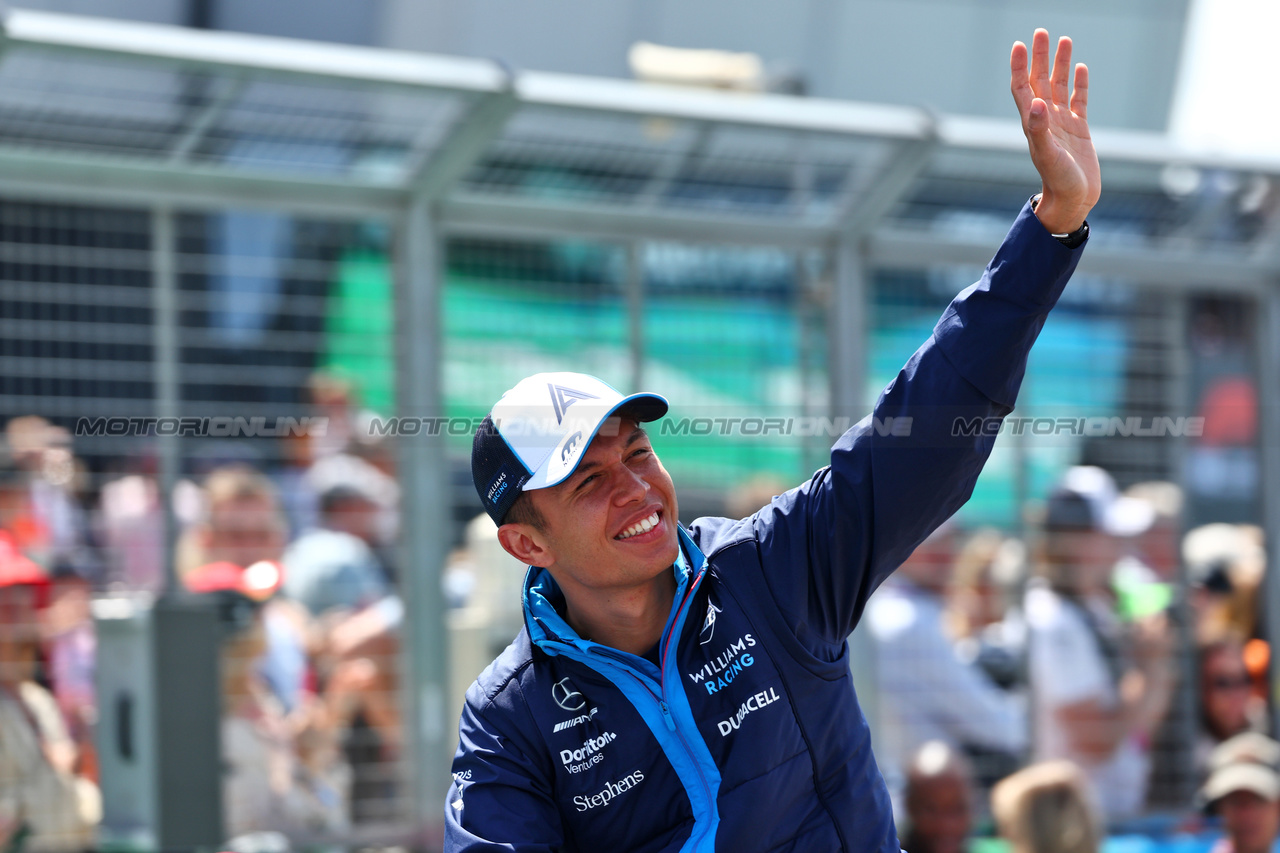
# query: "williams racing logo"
{"points": [[720, 672]]}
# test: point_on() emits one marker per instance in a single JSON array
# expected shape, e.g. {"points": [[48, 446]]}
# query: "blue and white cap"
{"points": [[536, 435]]}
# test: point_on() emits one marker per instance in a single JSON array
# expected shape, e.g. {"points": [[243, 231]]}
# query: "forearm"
{"points": [[1146, 693]]}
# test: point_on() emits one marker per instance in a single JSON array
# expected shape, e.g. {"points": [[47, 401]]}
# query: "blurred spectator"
{"points": [[1100, 687], [926, 691], [1157, 546], [71, 644], [939, 800], [52, 528], [333, 571], [130, 521], [374, 516], [45, 805], [982, 617], [1047, 808], [243, 526], [333, 565], [1244, 789], [1225, 567], [1228, 706], [283, 770]]}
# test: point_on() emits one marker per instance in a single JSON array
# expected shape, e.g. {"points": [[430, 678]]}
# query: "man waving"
{"points": [[688, 688]]}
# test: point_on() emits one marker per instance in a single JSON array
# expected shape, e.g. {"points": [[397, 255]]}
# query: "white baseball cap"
{"points": [[536, 435]]}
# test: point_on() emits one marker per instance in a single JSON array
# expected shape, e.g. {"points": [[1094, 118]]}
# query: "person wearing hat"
{"points": [[1243, 788], [688, 687], [45, 805], [283, 771], [1099, 687]]}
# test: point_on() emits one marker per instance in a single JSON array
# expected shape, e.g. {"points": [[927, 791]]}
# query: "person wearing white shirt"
{"points": [[927, 691], [1099, 687]]}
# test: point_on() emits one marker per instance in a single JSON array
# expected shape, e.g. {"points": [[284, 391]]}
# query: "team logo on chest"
{"points": [[709, 623], [719, 672], [566, 696]]}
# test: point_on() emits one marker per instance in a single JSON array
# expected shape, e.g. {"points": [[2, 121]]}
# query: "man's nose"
{"points": [[629, 486]]}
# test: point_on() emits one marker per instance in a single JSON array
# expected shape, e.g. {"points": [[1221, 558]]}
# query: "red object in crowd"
{"points": [[16, 568], [258, 581]]}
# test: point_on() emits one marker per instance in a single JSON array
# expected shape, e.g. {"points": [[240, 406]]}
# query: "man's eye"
{"points": [[586, 480], [640, 452]]}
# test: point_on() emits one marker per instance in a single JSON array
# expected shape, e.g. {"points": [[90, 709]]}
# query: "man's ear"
{"points": [[527, 544]]}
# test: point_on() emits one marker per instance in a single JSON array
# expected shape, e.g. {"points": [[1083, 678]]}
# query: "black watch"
{"points": [[1071, 240]]}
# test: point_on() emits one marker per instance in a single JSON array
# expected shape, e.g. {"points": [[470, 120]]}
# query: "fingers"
{"points": [[1080, 97], [1040, 64], [1018, 82], [1061, 71]]}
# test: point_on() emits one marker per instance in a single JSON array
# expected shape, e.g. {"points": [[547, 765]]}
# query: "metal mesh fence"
{"points": [[285, 512]]}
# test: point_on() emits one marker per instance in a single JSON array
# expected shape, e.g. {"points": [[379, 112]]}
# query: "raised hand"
{"points": [[1057, 130]]}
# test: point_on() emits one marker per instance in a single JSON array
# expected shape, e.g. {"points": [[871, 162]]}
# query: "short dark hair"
{"points": [[524, 512]]}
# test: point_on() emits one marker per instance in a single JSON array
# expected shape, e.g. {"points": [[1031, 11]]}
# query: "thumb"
{"points": [[1038, 117]]}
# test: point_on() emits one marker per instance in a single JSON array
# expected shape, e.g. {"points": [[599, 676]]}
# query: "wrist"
{"points": [[1058, 216]]}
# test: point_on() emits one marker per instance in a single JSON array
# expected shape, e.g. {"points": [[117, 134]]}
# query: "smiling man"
{"points": [[688, 688]]}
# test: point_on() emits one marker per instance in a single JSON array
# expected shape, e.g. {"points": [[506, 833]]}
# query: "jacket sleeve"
{"points": [[499, 799], [895, 476]]}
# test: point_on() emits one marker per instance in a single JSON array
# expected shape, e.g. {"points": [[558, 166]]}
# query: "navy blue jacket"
{"points": [[748, 737]]}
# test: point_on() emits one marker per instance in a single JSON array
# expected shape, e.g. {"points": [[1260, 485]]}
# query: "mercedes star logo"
{"points": [[566, 697]]}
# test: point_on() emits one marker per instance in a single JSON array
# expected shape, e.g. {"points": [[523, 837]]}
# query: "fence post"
{"points": [[1269, 447], [847, 372], [424, 512]]}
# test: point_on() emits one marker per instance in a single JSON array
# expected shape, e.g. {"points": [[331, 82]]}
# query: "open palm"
{"points": [[1056, 124]]}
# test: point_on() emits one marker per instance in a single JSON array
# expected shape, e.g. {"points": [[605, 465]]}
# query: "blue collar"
{"points": [[543, 599]]}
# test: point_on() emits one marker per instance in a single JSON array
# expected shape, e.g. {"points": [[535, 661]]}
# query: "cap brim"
{"points": [[555, 470], [1128, 517], [1254, 778]]}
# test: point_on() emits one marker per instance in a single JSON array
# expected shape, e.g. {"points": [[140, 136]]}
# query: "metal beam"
{"points": [[118, 181], [504, 217], [894, 177], [816, 115], [464, 146], [241, 52], [164, 339], [672, 166], [425, 532], [229, 89], [1268, 337], [1199, 271]]}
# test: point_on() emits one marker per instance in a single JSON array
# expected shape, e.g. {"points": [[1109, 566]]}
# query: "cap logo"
{"points": [[569, 446], [498, 486], [563, 397]]}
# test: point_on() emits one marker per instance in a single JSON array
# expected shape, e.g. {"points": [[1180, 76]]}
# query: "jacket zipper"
{"points": [[661, 696]]}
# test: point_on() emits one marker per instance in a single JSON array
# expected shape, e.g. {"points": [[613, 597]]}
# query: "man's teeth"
{"points": [[642, 526]]}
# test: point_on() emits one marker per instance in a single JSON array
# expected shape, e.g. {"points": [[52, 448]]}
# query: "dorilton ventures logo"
{"points": [[577, 760], [610, 792]]}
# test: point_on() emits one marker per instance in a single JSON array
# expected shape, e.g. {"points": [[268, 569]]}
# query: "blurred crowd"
{"points": [[299, 566], [1104, 667], [1104, 671]]}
